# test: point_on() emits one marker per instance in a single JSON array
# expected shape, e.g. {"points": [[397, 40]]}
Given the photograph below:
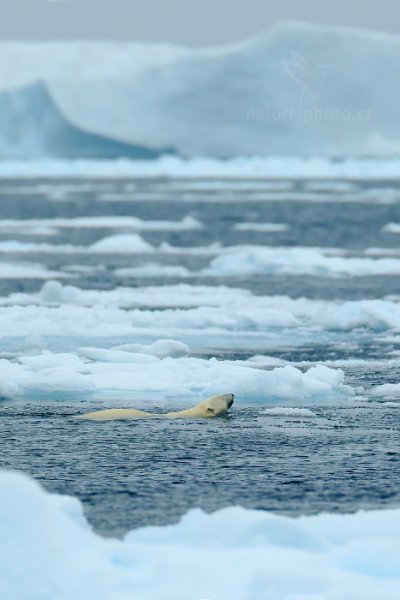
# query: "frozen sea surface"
{"points": [[303, 315]]}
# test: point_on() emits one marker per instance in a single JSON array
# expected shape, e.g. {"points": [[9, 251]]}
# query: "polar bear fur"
{"points": [[212, 407]]}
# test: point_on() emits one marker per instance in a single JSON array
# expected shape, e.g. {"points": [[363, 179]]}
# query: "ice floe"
{"points": [[128, 243], [258, 167], [297, 261], [387, 390], [122, 243], [21, 270], [137, 372], [391, 228], [49, 226], [67, 310], [228, 261], [153, 270], [267, 227], [329, 556]]}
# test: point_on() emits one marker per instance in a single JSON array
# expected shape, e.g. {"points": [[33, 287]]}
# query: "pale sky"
{"points": [[188, 22]]}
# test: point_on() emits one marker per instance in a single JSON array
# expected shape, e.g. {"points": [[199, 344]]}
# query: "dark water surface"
{"points": [[130, 474]]}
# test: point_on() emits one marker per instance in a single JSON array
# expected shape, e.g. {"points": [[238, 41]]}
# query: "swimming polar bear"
{"points": [[212, 407]]}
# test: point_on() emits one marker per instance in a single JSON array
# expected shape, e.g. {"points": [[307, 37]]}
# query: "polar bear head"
{"points": [[214, 406]]}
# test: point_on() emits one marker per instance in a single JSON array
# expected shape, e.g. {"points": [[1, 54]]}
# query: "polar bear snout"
{"points": [[229, 399]]}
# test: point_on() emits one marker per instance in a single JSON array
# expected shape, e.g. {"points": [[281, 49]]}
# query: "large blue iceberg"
{"points": [[297, 89]]}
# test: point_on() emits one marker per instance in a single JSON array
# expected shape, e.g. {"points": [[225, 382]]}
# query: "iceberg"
{"points": [[297, 89], [33, 126], [330, 556]]}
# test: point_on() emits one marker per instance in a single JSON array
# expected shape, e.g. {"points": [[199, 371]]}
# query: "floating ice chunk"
{"points": [[326, 556], [267, 227], [50, 226], [49, 360], [34, 314], [21, 228], [387, 390], [121, 244], [391, 228], [8, 389], [46, 375], [27, 247], [182, 295], [116, 356], [153, 270], [55, 292], [183, 378], [137, 353], [117, 244], [114, 244], [27, 271], [297, 261], [159, 348]]}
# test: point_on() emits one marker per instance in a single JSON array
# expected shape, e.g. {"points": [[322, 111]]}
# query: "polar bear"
{"points": [[212, 407]]}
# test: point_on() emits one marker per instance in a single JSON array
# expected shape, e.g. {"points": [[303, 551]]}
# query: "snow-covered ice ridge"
{"points": [[326, 556], [254, 172], [263, 81]]}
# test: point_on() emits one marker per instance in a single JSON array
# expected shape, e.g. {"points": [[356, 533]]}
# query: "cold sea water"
{"points": [[296, 459]]}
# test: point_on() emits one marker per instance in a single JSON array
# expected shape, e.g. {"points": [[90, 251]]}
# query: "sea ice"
{"points": [[217, 308], [297, 261], [27, 271], [267, 227], [139, 371], [50, 226], [263, 555], [267, 168]]}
